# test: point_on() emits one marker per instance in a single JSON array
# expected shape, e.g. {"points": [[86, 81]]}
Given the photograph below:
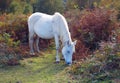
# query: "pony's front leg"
{"points": [[57, 48]]}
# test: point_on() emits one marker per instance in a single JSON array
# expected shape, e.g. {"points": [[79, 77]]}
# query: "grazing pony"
{"points": [[51, 26]]}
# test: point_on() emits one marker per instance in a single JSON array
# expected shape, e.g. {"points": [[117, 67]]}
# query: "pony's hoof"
{"points": [[62, 58], [38, 51], [32, 54], [57, 62]]}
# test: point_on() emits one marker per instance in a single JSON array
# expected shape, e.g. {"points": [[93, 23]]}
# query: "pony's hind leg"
{"points": [[57, 48], [37, 44], [31, 41]]}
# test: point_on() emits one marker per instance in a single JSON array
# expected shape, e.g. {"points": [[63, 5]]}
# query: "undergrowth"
{"points": [[101, 67], [14, 39], [90, 27]]}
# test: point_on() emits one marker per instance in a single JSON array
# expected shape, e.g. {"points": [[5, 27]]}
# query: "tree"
{"points": [[20, 6], [49, 6], [4, 4], [14, 7], [27, 9], [71, 4], [87, 3], [81, 4]]}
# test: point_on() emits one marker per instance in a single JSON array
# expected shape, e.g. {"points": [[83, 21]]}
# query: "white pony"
{"points": [[51, 26]]}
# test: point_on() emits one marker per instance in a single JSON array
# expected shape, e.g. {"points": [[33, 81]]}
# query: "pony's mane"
{"points": [[57, 14], [61, 21]]}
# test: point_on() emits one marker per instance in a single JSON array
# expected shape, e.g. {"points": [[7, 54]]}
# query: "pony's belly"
{"points": [[43, 28], [44, 32], [45, 35]]}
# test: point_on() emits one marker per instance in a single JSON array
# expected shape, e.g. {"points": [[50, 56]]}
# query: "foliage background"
{"points": [[94, 23]]}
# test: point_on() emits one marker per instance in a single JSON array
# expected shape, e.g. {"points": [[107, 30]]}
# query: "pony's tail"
{"points": [[30, 24], [32, 20]]}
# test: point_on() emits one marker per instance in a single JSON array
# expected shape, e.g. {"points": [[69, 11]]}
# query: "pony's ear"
{"points": [[68, 43], [75, 42]]}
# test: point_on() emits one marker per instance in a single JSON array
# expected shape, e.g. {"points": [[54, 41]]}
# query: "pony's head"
{"points": [[67, 52]]}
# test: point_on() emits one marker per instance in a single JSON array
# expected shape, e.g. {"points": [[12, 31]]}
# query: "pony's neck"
{"points": [[66, 38], [63, 29], [65, 34]]}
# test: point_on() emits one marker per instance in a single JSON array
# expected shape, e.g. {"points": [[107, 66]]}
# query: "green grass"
{"points": [[40, 69], [43, 69]]}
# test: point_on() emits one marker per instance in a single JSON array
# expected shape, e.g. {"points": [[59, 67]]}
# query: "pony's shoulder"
{"points": [[57, 14]]}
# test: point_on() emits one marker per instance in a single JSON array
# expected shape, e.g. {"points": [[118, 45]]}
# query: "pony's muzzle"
{"points": [[68, 63]]}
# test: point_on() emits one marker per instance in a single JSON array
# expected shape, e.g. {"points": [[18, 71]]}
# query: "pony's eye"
{"points": [[68, 52]]}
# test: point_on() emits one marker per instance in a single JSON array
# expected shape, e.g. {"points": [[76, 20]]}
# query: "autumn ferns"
{"points": [[90, 27]]}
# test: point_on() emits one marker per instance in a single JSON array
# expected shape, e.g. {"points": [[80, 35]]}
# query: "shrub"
{"points": [[16, 26], [103, 67], [81, 51], [49, 6], [9, 51], [91, 27], [73, 22]]}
